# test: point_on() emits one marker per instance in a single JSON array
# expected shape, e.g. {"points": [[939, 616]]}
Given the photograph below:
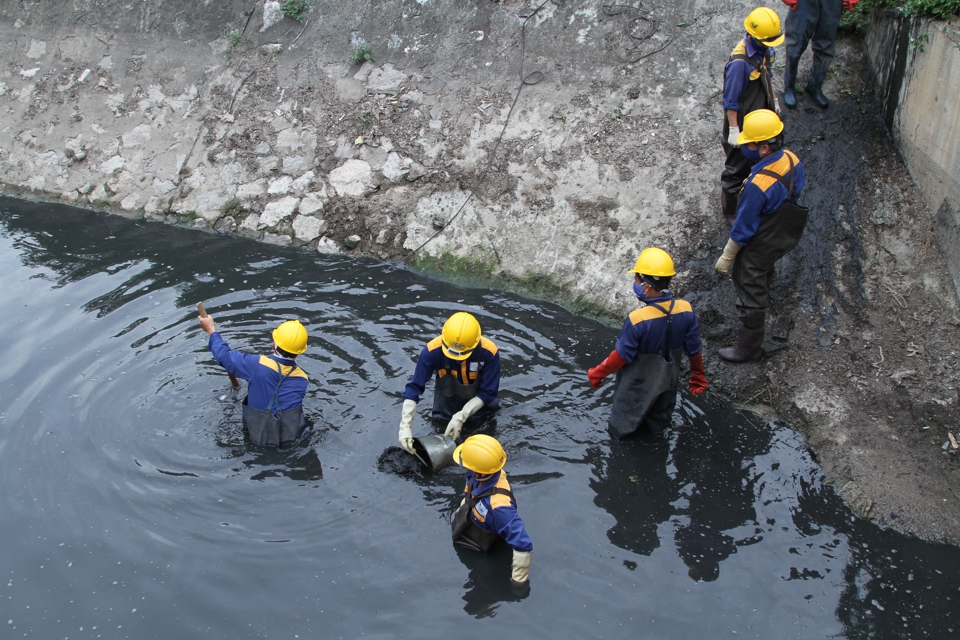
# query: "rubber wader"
{"points": [[468, 533], [752, 272], [449, 396], [639, 384], [272, 427]]}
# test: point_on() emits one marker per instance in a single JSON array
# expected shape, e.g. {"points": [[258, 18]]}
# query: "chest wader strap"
{"points": [[783, 179], [666, 338], [272, 427], [778, 233], [450, 395], [468, 533], [274, 406], [764, 78]]}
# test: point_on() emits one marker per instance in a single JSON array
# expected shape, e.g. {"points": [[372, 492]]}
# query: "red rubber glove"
{"points": [[605, 368], [849, 5], [698, 381], [793, 4]]}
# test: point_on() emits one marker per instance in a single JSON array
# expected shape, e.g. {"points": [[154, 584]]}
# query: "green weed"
{"points": [[233, 41], [293, 9], [918, 43], [858, 19], [363, 53]]}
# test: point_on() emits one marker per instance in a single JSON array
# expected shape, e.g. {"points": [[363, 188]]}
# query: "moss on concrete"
{"points": [[458, 269], [484, 271]]}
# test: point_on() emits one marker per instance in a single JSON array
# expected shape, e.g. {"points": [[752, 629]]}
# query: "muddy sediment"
{"points": [[537, 144]]}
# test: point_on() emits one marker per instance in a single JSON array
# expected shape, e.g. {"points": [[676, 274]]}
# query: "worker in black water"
{"points": [[273, 408], [747, 86], [769, 224], [648, 351], [467, 368], [489, 510], [814, 22]]}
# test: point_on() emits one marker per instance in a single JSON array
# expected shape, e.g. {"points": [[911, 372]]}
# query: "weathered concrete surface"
{"points": [[146, 112], [152, 109], [916, 64]]}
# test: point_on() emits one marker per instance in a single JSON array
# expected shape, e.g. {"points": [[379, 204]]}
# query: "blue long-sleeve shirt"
{"points": [[645, 329], [483, 362], [498, 512], [762, 194], [262, 374], [739, 73]]}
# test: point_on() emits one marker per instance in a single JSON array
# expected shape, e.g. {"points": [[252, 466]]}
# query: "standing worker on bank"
{"points": [[273, 408], [747, 86], [814, 22], [769, 224], [489, 510], [648, 350], [467, 368]]}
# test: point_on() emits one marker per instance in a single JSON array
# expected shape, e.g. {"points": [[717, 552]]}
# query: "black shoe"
{"points": [[816, 94], [789, 81], [790, 97]]}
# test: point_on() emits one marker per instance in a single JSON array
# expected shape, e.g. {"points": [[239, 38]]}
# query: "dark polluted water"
{"points": [[133, 508]]}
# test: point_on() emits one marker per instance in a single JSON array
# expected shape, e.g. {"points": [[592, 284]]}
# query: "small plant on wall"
{"points": [[293, 9], [363, 53]]}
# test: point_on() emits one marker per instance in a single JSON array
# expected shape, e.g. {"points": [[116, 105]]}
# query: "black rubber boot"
{"points": [[814, 89], [728, 206], [748, 347], [789, 83]]}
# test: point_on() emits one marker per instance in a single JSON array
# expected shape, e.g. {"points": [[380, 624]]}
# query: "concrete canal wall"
{"points": [[916, 66], [227, 116]]}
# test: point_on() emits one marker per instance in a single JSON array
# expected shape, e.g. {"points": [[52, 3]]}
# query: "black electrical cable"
{"points": [[530, 79], [650, 25]]}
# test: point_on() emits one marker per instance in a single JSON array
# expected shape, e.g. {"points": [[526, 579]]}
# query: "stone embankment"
{"points": [[265, 128], [542, 141]]}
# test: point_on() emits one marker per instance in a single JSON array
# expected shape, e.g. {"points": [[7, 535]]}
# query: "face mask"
{"points": [[638, 289], [762, 48], [750, 154]]}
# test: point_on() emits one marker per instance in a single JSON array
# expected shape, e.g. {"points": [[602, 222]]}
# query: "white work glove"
{"points": [[456, 422], [406, 420], [732, 137], [726, 260], [521, 567], [776, 105]]}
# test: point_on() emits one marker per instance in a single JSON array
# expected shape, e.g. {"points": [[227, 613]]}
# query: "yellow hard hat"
{"points": [[481, 454], [764, 25], [654, 262], [461, 335], [759, 126], [291, 336]]}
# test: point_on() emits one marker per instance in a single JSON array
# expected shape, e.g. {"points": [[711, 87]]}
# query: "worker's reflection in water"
{"points": [[704, 481], [487, 585], [633, 486], [716, 470]]}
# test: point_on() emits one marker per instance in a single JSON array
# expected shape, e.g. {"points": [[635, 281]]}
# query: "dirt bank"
{"points": [[212, 119], [871, 371]]}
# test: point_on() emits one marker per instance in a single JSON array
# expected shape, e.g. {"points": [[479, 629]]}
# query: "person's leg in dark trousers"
{"points": [[736, 169], [752, 273], [824, 45], [800, 26]]}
